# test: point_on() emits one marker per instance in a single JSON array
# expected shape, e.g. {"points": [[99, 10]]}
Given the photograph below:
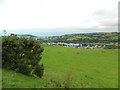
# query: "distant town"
{"points": [[76, 45]]}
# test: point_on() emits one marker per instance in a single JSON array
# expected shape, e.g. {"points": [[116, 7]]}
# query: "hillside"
{"points": [[70, 67], [111, 37]]}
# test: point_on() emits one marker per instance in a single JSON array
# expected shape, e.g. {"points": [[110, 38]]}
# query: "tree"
{"points": [[4, 32], [21, 54]]}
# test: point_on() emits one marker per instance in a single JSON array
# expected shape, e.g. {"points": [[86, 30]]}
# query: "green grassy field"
{"points": [[70, 67]]}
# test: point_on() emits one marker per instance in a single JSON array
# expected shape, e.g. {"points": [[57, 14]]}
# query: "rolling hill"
{"points": [[70, 67]]}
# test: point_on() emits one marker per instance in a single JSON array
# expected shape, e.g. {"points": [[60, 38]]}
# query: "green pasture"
{"points": [[70, 68]]}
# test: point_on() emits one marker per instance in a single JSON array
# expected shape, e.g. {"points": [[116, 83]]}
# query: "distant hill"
{"points": [[111, 37], [25, 35]]}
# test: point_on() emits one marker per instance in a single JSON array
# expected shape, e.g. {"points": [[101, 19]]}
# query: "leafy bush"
{"points": [[21, 54], [39, 70]]}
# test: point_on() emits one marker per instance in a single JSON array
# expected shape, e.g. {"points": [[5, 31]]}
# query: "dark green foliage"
{"points": [[21, 54], [111, 47], [39, 70]]}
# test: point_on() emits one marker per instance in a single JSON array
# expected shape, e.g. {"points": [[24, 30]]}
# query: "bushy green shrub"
{"points": [[39, 70], [21, 54]]}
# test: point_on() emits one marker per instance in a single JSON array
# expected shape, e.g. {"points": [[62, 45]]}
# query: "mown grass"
{"points": [[71, 68]]}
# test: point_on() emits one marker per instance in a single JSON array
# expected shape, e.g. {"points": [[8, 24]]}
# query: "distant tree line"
{"points": [[112, 47]]}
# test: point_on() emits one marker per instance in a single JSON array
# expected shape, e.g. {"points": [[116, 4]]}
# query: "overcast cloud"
{"points": [[59, 15]]}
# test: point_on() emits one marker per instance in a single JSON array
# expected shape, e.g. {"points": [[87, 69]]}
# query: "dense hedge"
{"points": [[22, 55], [112, 47]]}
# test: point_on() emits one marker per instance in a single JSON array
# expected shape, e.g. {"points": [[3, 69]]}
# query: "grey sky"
{"points": [[59, 15]]}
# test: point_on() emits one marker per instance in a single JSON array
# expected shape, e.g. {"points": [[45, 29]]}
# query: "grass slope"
{"points": [[71, 67]]}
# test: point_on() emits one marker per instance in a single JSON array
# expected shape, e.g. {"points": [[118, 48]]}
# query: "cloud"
{"points": [[58, 15], [102, 20]]}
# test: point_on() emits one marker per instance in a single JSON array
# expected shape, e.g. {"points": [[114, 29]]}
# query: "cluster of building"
{"points": [[76, 45]]}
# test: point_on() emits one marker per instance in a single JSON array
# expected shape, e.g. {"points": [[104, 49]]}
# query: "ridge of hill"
{"points": [[86, 38]]}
